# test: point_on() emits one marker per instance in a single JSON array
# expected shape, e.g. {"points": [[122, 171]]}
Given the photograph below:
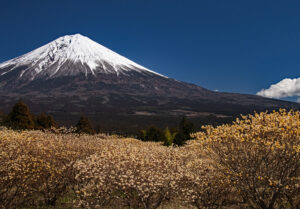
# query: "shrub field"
{"points": [[253, 163]]}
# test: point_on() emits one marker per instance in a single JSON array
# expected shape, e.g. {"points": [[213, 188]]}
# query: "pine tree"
{"points": [[84, 126], [154, 134], [180, 139], [185, 129], [20, 117], [44, 121]]}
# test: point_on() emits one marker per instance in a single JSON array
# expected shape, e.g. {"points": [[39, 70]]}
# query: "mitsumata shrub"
{"points": [[253, 163], [260, 157]]}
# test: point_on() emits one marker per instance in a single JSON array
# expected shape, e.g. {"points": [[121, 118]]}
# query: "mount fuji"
{"points": [[68, 56], [74, 75]]}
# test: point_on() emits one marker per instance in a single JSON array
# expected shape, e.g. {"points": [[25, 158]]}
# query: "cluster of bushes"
{"points": [[36, 168], [258, 157], [253, 163], [20, 118], [176, 136], [40, 169]]}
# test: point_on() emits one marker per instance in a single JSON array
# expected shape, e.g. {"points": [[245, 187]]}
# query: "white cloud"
{"points": [[285, 88]]}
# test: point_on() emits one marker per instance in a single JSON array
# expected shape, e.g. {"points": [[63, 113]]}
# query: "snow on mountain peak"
{"points": [[78, 49]]}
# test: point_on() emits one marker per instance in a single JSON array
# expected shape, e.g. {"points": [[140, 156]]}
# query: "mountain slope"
{"points": [[74, 75], [69, 55]]}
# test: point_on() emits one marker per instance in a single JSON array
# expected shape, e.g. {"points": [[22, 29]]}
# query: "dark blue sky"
{"points": [[236, 46]]}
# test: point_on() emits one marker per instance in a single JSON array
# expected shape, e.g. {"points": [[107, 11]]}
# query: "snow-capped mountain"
{"points": [[73, 75], [70, 55]]}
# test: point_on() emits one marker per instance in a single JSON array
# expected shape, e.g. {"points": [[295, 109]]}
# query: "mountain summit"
{"points": [[74, 75], [69, 55]]}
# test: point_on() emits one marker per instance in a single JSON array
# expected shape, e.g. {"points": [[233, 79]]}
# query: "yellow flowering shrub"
{"points": [[260, 157], [204, 186], [37, 167], [252, 163], [130, 173]]}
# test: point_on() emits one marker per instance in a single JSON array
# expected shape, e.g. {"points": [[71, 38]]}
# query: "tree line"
{"points": [[20, 118], [175, 136]]}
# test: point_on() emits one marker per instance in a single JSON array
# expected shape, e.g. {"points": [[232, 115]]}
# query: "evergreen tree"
{"points": [[44, 121], [154, 134], [20, 117], [185, 129], [84, 126], [179, 139]]}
